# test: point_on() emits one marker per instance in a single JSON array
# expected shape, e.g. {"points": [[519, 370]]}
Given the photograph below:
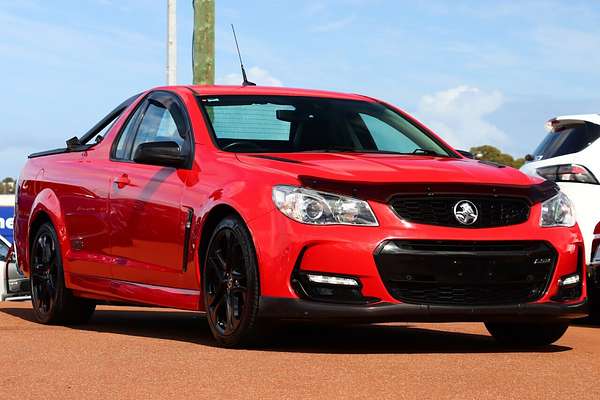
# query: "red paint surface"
{"points": [[132, 227]]}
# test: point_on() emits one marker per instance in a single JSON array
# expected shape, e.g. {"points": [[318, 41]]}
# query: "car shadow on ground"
{"points": [[295, 337], [587, 322]]}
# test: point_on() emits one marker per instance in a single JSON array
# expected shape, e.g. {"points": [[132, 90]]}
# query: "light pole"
{"points": [[171, 42], [203, 42]]}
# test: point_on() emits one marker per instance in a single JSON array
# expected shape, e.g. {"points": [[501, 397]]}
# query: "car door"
{"points": [[147, 220]]}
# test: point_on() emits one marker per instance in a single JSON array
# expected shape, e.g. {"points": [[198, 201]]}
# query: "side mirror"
{"points": [[467, 154], [528, 157], [166, 154]]}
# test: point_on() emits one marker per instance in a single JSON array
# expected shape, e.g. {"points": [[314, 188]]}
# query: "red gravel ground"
{"points": [[145, 353]]}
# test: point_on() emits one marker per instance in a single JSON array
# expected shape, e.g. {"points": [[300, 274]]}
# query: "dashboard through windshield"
{"points": [[304, 124]]}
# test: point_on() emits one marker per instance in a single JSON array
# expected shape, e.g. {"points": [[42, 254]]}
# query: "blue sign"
{"points": [[7, 221]]}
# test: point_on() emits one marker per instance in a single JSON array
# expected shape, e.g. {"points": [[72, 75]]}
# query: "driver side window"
{"points": [[157, 125], [120, 151], [159, 118]]}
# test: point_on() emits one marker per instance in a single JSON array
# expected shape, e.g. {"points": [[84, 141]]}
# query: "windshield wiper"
{"points": [[372, 151], [328, 150], [351, 150]]}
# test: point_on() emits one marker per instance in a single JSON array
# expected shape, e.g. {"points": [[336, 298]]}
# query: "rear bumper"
{"points": [[588, 213], [12, 283], [298, 309]]}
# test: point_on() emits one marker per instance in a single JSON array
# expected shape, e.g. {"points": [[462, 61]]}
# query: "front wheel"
{"points": [[230, 287], [527, 334]]}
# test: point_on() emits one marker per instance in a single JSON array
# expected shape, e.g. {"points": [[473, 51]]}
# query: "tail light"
{"points": [[567, 173]]}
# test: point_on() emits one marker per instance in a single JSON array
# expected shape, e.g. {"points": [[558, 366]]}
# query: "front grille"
{"points": [[467, 273], [439, 210]]}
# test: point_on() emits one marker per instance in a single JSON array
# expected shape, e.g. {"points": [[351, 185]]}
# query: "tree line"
{"points": [[8, 186], [491, 153]]}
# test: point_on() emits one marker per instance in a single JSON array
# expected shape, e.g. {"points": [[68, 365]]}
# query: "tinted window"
{"points": [[157, 125], [250, 121], [570, 139], [290, 124], [120, 149]]}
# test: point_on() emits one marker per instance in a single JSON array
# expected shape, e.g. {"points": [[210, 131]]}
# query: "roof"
{"points": [[593, 118], [220, 90]]}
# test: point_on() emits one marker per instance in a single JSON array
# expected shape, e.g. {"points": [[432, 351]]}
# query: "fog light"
{"points": [[569, 280], [332, 280]]}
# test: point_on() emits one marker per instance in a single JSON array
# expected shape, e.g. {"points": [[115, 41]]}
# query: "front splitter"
{"points": [[299, 309]]}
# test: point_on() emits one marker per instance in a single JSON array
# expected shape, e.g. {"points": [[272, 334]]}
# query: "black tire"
{"points": [[53, 303], [230, 284], [594, 305], [527, 334]]}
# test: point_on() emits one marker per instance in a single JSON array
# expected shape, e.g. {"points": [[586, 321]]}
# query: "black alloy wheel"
{"points": [[231, 283], [52, 301], [44, 274]]}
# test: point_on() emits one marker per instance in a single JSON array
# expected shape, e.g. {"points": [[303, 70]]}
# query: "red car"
{"points": [[255, 203]]}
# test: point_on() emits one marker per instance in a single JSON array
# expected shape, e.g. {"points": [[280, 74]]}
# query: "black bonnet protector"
{"points": [[383, 192]]}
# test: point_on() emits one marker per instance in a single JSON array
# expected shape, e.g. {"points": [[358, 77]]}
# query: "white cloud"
{"points": [[334, 25], [255, 74], [458, 115]]}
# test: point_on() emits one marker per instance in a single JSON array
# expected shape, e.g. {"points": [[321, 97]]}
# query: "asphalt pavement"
{"points": [[148, 353]]}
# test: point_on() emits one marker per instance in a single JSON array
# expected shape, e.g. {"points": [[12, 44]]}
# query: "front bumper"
{"points": [[298, 309], [350, 251]]}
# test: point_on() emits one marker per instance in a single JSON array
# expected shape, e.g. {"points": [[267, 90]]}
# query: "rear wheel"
{"points": [[53, 302], [527, 334], [230, 287], [594, 304]]}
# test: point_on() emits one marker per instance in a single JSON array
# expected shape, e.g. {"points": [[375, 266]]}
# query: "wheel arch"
{"points": [[209, 223], [46, 208]]}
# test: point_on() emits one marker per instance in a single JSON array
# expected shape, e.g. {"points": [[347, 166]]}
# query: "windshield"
{"points": [[569, 139], [295, 124]]}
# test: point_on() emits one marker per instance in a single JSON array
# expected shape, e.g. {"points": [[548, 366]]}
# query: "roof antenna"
{"points": [[246, 82]]}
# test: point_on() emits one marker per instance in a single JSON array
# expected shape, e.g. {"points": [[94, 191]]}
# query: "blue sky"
{"points": [[478, 72]]}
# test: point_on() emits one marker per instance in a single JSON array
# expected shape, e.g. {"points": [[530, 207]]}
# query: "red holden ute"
{"points": [[255, 204]]}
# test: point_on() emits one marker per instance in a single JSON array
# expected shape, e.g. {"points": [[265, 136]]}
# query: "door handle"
{"points": [[122, 181]]}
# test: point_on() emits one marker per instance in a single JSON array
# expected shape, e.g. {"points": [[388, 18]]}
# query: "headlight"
{"points": [[312, 207], [558, 211]]}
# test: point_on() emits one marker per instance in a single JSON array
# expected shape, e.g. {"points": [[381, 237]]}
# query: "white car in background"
{"points": [[570, 156], [13, 285]]}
